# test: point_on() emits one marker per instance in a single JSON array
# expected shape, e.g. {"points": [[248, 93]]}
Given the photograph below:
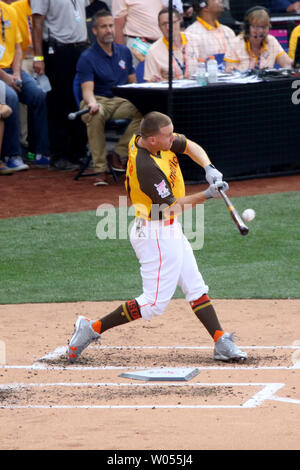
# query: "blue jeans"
{"points": [[35, 99]]}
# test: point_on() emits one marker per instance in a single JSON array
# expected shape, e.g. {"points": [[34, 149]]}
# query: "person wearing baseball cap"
{"points": [[155, 186]]}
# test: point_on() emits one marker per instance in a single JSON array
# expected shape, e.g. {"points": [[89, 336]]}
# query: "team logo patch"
{"points": [[162, 189], [122, 64]]}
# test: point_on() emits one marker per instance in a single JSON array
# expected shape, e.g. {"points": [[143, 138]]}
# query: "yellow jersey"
{"points": [[154, 182], [9, 36], [24, 15]]}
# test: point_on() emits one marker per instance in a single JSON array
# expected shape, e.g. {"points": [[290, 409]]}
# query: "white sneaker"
{"points": [[16, 163], [226, 350], [83, 335]]}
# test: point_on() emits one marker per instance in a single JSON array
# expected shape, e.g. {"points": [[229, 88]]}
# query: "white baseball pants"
{"points": [[166, 260]]}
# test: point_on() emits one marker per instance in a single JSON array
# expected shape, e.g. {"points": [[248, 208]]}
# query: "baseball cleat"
{"points": [[226, 350], [83, 335]]}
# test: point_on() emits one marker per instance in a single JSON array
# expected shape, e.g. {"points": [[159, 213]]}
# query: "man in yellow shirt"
{"points": [[23, 10], [24, 14], [20, 87]]}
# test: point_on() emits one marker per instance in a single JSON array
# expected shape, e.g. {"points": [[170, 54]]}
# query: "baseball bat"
{"points": [[73, 116], [243, 229]]}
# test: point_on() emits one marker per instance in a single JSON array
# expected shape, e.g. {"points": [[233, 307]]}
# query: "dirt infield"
{"points": [[49, 404], [45, 403]]}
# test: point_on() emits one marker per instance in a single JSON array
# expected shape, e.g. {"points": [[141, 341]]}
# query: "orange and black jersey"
{"points": [[154, 181]]}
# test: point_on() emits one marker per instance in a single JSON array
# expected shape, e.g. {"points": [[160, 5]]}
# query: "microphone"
{"points": [[73, 116], [18, 83]]}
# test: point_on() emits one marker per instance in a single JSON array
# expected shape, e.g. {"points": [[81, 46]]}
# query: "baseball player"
{"points": [[155, 185]]}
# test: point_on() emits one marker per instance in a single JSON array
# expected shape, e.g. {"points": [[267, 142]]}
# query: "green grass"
{"points": [[59, 258]]}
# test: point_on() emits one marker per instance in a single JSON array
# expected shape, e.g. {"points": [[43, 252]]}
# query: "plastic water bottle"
{"points": [[42, 82], [212, 70], [201, 73]]}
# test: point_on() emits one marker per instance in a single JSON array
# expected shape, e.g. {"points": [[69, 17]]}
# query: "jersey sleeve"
{"points": [[179, 143], [84, 70], [39, 6]]}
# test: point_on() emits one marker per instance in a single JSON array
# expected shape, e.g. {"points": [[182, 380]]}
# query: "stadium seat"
{"points": [[113, 129]]}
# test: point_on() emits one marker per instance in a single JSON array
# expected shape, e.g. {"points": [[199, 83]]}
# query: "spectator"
{"points": [[215, 36], [255, 47], [95, 6], [136, 20], [188, 13], [59, 37], [177, 4], [5, 112], [284, 6], [187, 48], [23, 11], [24, 15], [20, 86], [105, 65], [184, 7], [293, 42]]}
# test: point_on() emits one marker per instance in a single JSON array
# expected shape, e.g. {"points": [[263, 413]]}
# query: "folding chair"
{"points": [[113, 127], [139, 71]]}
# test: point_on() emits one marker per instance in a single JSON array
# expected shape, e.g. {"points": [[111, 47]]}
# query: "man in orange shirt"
{"points": [[187, 49], [136, 20], [215, 36]]}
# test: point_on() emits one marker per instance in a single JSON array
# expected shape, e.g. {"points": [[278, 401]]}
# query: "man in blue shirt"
{"points": [[102, 66], [284, 6]]}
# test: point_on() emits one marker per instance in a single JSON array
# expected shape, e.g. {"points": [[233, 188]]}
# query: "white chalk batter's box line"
{"points": [[267, 393], [61, 350]]}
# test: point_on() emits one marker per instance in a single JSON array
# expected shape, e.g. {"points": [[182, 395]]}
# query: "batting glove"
{"points": [[213, 190], [212, 174]]}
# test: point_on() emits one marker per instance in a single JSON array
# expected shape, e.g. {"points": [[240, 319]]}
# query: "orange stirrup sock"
{"points": [[217, 335], [97, 326]]}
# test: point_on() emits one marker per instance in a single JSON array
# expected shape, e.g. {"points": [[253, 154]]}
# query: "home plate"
{"points": [[170, 373]]}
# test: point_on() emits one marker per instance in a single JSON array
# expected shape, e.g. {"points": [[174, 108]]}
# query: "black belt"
{"points": [[55, 43]]}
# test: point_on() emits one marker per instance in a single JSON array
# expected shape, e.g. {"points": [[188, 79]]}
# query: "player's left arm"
{"points": [[199, 156], [197, 153]]}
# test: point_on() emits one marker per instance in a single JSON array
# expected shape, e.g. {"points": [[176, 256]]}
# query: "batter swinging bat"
{"points": [[234, 214]]}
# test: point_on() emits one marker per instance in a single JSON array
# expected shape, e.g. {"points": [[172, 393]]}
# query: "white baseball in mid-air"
{"points": [[248, 215]]}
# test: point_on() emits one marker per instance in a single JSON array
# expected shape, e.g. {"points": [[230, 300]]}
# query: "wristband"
{"points": [[38, 58], [209, 166], [208, 194]]}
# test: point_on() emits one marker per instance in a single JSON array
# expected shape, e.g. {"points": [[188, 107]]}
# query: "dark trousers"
{"points": [[67, 138], [35, 99]]}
